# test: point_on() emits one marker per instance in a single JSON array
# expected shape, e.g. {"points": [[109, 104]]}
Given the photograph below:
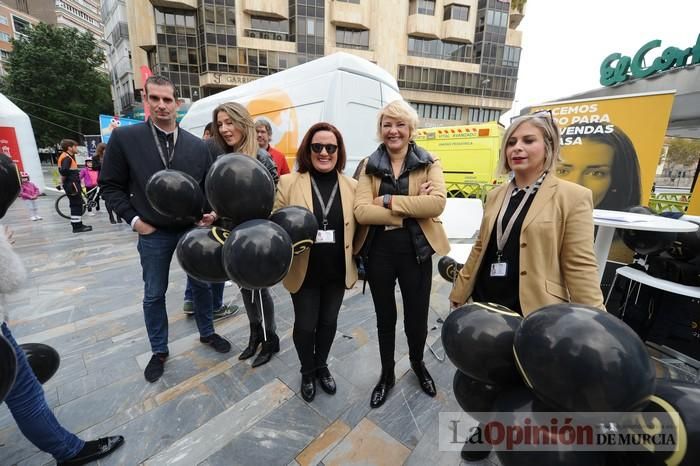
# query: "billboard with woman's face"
{"points": [[612, 145]]}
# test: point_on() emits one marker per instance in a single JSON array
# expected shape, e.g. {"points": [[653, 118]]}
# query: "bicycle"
{"points": [[89, 201]]}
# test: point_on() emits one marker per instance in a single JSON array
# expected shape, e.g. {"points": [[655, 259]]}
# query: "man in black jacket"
{"points": [[136, 152]]}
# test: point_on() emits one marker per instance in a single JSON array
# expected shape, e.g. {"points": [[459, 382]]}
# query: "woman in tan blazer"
{"points": [[400, 195], [319, 276], [547, 256]]}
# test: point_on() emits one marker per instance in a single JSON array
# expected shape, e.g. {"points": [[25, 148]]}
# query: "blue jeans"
{"points": [[33, 416], [156, 252], [217, 293]]}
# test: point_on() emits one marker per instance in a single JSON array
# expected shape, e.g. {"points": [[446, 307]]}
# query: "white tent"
{"points": [[16, 135]]}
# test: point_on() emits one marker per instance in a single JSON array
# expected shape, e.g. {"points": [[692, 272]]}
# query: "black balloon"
{"points": [[10, 183], [518, 404], [478, 339], [672, 399], [200, 253], [578, 358], [646, 242], [448, 268], [175, 194], [687, 245], [299, 223], [257, 254], [43, 359], [474, 396], [8, 366], [240, 188]]}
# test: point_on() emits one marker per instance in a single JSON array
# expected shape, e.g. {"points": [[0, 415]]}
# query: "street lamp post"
{"points": [[484, 83]]}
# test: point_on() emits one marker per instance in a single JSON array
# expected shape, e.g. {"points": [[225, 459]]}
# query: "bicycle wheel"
{"points": [[63, 206]]}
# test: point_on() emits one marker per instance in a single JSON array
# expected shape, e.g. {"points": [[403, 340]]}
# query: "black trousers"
{"points": [[392, 257], [255, 307], [315, 322], [75, 200]]}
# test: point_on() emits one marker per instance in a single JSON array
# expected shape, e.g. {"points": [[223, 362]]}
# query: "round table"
{"points": [[609, 220]]}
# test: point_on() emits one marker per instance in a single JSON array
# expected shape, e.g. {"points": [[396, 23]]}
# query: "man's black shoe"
{"points": [[426, 381], [93, 450], [308, 388], [326, 380], [221, 345], [80, 228], [154, 368], [381, 391]]}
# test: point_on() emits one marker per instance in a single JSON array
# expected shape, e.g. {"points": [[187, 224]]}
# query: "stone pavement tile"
{"points": [[266, 407], [97, 378], [367, 444], [159, 428], [407, 412], [72, 366], [14, 447], [323, 444], [186, 365], [274, 440]]}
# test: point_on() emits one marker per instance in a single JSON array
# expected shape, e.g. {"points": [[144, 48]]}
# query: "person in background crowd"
{"points": [[70, 181], [26, 400], [30, 192], [98, 159], [89, 176], [135, 153], [263, 132], [233, 131], [400, 195], [319, 276]]}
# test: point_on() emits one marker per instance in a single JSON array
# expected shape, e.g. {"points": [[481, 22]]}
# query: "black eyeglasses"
{"points": [[541, 113], [330, 148]]}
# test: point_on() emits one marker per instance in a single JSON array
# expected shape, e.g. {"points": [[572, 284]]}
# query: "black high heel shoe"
{"points": [[382, 389], [256, 338], [269, 347], [426, 381]]}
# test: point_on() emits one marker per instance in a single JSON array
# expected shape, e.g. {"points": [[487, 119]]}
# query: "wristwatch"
{"points": [[387, 200]]}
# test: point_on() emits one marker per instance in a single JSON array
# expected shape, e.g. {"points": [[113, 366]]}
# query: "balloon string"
{"points": [[262, 313]]}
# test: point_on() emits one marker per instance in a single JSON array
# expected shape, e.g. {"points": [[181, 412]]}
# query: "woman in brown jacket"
{"points": [[319, 276], [400, 194]]}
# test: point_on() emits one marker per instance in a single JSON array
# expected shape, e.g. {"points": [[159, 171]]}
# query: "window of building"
{"points": [[356, 2], [3, 20], [454, 82], [20, 25], [5, 37], [352, 38], [497, 18], [483, 115], [268, 28], [458, 12], [438, 112], [4, 54], [436, 48], [421, 7], [176, 50]]}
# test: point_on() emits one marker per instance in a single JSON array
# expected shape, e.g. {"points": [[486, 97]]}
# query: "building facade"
{"points": [[118, 52], [455, 61], [13, 23], [83, 15]]}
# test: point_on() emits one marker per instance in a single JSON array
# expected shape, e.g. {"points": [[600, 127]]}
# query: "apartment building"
{"points": [[13, 23], [454, 60], [83, 15], [118, 52]]}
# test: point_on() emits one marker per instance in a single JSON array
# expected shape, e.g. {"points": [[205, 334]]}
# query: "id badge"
{"points": [[499, 269], [325, 237]]}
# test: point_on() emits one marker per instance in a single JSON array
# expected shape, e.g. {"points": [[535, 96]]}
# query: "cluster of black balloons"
{"points": [[683, 246], [42, 359], [564, 358], [245, 244]]}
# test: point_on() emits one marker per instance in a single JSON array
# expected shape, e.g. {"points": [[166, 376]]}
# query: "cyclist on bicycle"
{"points": [[70, 180], [88, 176]]}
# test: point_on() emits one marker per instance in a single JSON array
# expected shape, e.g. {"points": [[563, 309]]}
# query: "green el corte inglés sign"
{"points": [[617, 68]]}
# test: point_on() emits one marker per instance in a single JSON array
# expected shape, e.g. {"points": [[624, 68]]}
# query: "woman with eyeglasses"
{"points": [[233, 131], [535, 244], [319, 276], [400, 195]]}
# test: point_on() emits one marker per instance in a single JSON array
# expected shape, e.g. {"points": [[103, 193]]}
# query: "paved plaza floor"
{"points": [[83, 297]]}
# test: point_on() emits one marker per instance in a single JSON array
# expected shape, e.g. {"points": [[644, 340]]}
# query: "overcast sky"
{"points": [[564, 41]]}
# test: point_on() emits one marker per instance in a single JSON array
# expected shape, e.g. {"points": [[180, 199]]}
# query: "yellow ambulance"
{"points": [[468, 153]]}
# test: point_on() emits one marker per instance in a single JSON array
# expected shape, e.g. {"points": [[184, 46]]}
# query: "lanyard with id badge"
{"points": [[500, 268], [324, 235]]}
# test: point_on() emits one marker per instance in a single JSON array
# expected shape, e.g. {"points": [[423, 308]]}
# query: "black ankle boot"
{"points": [[255, 339], [308, 387], [269, 347], [80, 228], [381, 391], [426, 381]]}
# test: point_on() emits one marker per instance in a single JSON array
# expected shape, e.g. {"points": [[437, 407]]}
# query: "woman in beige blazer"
{"points": [[547, 256], [319, 276], [400, 195]]}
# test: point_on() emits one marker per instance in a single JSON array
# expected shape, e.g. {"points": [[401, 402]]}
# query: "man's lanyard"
{"points": [[503, 235], [325, 208], [170, 149]]}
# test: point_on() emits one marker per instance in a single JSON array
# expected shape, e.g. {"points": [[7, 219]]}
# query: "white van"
{"points": [[341, 89]]}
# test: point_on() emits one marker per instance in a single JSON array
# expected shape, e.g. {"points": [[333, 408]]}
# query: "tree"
{"points": [[684, 152], [52, 74]]}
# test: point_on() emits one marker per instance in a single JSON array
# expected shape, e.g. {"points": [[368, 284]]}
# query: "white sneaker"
{"points": [[91, 214], [228, 283], [34, 218], [39, 217]]}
